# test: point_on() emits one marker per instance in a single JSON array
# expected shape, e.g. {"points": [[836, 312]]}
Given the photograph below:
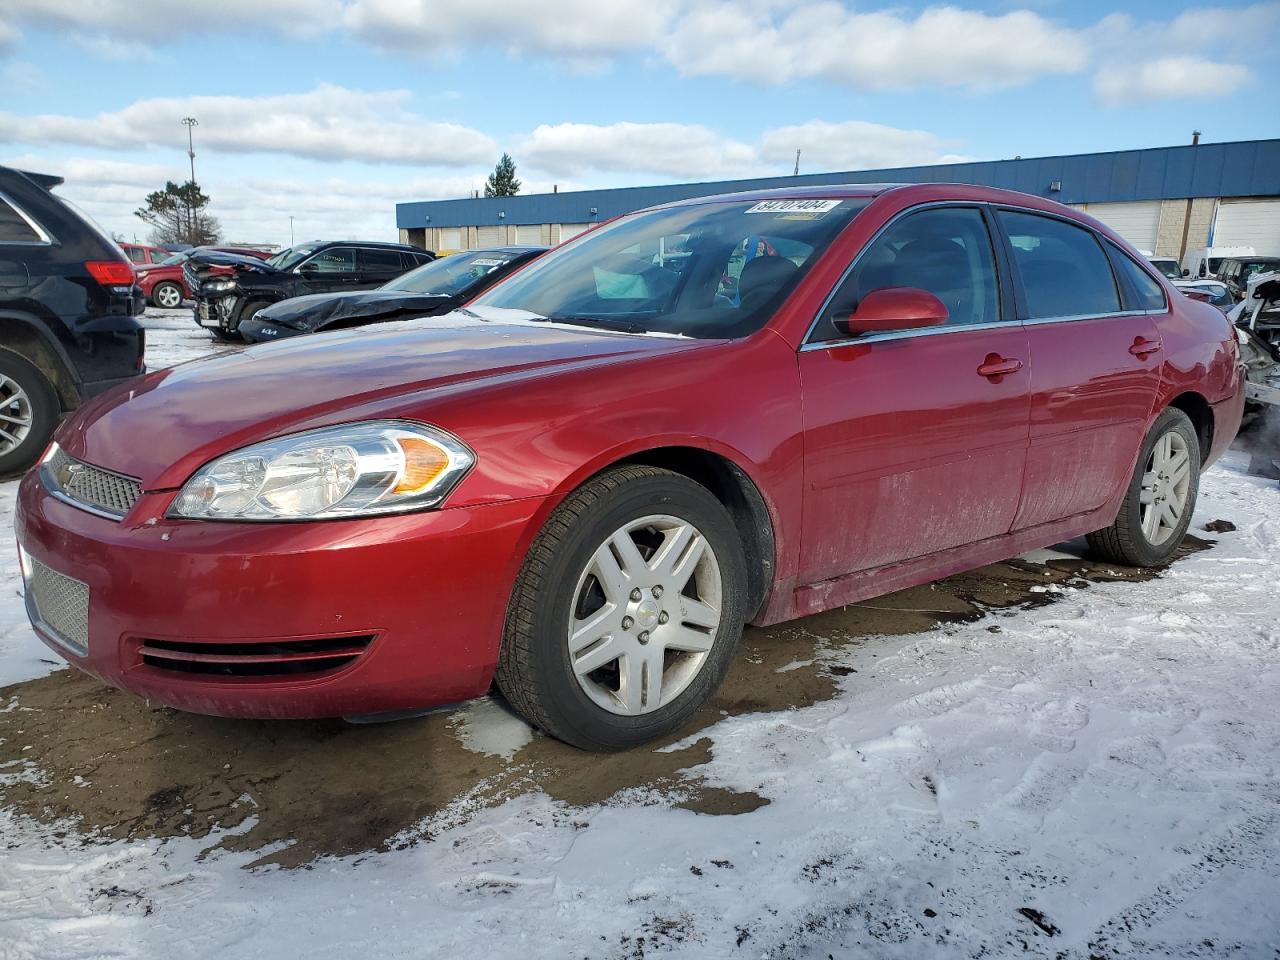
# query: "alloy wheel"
{"points": [[168, 296], [1166, 486], [646, 612], [15, 414]]}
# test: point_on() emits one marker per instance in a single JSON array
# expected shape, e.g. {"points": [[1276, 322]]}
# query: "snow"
{"points": [[1097, 776]]}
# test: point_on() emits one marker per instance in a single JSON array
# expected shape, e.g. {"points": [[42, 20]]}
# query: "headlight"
{"points": [[218, 286], [351, 470]]}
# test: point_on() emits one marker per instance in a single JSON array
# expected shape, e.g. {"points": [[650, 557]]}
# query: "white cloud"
{"points": [[158, 20], [666, 149], [1168, 78], [941, 46], [549, 27], [327, 123], [853, 145]]}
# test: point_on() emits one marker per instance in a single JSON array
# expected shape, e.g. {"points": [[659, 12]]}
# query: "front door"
{"points": [[912, 443], [1095, 365], [331, 270]]}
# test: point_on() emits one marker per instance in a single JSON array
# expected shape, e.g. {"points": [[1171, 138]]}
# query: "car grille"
{"points": [[259, 658], [60, 604], [88, 486]]}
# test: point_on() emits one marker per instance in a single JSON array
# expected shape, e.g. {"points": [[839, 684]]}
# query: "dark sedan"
{"points": [[430, 290]]}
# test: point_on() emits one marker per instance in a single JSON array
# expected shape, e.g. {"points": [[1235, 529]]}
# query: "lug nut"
{"points": [[644, 636], [627, 623], [636, 594], [663, 617], [657, 591]]}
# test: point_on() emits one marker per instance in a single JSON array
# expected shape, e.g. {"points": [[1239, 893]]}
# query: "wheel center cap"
{"points": [[647, 611]]}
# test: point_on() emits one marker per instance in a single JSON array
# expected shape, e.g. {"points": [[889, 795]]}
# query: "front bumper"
{"points": [[427, 592]]}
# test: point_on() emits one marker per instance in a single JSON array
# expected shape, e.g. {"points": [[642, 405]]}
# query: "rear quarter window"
{"points": [[1144, 290], [14, 227]]}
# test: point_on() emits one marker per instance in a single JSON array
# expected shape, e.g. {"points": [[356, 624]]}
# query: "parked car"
{"points": [[163, 283], [225, 297], [67, 308], [1209, 291], [1236, 272], [430, 290], [1203, 263], [1168, 266], [584, 482], [139, 253]]}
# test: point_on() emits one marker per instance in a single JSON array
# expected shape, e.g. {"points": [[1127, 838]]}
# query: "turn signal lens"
{"points": [[423, 464]]}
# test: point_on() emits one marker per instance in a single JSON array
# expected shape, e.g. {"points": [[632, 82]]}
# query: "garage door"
{"points": [[488, 236], [450, 238], [529, 234], [1248, 223], [1138, 222], [570, 230]]}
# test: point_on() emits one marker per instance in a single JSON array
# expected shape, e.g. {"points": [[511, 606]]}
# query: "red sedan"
{"points": [[163, 283], [737, 409]]}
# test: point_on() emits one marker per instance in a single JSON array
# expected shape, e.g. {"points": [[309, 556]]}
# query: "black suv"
{"points": [[68, 304], [1236, 272], [229, 288]]}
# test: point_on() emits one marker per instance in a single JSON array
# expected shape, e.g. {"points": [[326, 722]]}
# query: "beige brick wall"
{"points": [[1173, 217]]}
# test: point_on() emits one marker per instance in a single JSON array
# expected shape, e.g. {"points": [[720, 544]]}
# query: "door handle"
{"points": [[1143, 348], [995, 367]]}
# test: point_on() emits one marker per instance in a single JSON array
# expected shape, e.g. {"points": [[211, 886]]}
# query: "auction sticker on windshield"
{"points": [[812, 207]]}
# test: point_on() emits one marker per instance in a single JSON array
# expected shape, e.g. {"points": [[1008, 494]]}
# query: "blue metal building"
{"points": [[1166, 199]]}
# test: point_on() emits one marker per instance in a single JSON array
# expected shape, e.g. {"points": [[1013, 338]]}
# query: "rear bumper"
{"points": [[1226, 419], [429, 589]]}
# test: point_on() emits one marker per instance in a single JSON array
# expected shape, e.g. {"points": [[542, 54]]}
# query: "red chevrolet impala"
{"points": [[737, 409]]}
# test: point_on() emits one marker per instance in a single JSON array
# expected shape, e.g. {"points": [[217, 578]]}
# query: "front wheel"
{"points": [[167, 295], [1160, 499], [627, 612]]}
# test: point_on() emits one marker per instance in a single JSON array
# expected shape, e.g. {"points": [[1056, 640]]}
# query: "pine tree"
{"points": [[502, 182], [177, 215]]}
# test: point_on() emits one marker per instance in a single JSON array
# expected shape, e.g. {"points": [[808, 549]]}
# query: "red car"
{"points": [[163, 283], [584, 483], [140, 253]]}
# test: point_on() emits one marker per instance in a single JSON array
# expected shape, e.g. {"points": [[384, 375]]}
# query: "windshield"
{"points": [[450, 275], [711, 270], [172, 259], [1169, 268], [289, 258]]}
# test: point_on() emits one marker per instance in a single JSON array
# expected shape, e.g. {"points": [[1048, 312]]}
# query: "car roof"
{"points": [[927, 191], [527, 248], [362, 243]]}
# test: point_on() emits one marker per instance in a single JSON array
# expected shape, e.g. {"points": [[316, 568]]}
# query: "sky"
{"points": [[332, 111]]}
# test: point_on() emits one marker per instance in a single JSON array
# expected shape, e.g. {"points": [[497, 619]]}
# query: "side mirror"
{"points": [[894, 308], [309, 269]]}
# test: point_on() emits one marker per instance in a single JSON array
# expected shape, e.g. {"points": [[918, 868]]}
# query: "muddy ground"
{"points": [[110, 766]]}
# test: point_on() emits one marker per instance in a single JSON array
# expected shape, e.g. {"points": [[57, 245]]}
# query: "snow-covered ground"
{"points": [[1095, 777]]}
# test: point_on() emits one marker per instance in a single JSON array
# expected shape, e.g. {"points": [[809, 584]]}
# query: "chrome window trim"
{"points": [[45, 239], [808, 340], [1039, 321], [908, 334]]}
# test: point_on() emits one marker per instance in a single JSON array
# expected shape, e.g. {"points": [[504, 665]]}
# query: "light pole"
{"points": [[291, 231], [190, 123]]}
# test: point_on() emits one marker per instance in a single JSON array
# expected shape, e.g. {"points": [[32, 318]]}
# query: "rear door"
{"points": [[909, 448], [1095, 365]]}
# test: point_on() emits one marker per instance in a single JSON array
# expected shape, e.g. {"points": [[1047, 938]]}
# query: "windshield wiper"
{"points": [[606, 323]]}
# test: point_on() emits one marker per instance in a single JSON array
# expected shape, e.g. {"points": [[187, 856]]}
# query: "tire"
{"points": [[29, 411], [166, 296], [1128, 541], [616, 706]]}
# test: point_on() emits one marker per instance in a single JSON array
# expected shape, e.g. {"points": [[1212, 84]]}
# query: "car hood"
{"points": [[216, 258], [318, 310], [161, 428]]}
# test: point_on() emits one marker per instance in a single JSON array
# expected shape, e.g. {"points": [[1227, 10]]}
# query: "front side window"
{"points": [[14, 227], [333, 260], [946, 251], [1063, 269], [716, 269]]}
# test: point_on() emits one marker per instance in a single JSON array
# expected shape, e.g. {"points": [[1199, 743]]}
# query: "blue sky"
{"points": [[332, 110]]}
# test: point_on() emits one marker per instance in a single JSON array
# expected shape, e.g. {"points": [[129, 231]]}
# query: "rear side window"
{"points": [[381, 261], [1149, 293], [14, 227], [1063, 269]]}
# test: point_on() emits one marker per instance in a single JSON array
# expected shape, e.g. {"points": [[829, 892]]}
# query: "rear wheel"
{"points": [[28, 412], [1161, 497], [627, 612], [167, 295]]}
